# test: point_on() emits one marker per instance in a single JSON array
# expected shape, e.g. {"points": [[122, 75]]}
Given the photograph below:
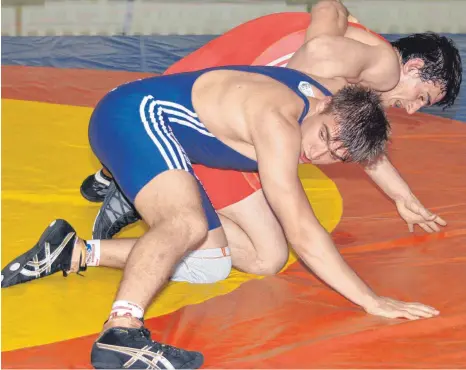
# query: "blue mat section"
{"points": [[142, 54], [127, 53]]}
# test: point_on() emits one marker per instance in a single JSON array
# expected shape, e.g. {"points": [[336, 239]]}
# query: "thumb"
{"points": [[411, 227]]}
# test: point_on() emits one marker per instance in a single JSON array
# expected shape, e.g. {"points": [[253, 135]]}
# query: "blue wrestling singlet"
{"points": [[145, 127]]}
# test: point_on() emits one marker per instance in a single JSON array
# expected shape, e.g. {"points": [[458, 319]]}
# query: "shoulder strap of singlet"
{"points": [[319, 86], [314, 83]]}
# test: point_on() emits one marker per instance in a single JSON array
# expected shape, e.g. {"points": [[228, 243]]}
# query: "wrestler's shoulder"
{"points": [[383, 71]]}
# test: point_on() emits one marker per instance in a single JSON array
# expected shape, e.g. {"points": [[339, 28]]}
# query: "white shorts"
{"points": [[204, 266]]}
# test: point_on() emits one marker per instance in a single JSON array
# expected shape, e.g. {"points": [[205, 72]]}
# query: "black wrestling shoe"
{"points": [[51, 254], [116, 213], [95, 187], [129, 348]]}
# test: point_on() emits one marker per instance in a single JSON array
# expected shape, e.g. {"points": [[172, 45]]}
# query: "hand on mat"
{"points": [[394, 309], [413, 212]]}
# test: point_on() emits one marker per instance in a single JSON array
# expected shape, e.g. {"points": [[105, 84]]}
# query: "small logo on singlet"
{"points": [[306, 88]]}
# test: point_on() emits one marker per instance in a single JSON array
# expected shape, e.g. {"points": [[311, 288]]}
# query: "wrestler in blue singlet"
{"points": [[149, 126]]}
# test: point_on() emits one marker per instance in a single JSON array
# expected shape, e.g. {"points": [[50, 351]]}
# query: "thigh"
{"points": [[255, 217], [176, 200], [176, 194], [238, 196], [181, 192], [171, 196]]}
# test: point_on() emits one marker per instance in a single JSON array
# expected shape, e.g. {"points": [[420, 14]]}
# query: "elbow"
{"points": [[319, 46], [311, 252], [330, 9], [314, 54], [309, 243]]}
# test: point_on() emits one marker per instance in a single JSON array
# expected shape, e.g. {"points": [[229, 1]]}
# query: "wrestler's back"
{"points": [[211, 113]]}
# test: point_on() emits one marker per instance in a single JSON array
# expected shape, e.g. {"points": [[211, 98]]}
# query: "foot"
{"points": [[116, 213], [123, 347], [52, 253], [94, 188]]}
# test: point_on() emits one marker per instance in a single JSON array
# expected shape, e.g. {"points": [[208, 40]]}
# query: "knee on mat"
{"points": [[271, 265]]}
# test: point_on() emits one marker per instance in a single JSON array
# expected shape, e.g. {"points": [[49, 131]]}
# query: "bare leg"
{"points": [[106, 173], [254, 235], [171, 205], [114, 252]]}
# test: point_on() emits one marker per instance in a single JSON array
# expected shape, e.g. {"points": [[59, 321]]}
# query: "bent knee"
{"points": [[204, 266], [188, 229], [270, 265], [197, 228]]}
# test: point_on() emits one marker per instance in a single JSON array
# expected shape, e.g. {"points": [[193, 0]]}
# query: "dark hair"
{"points": [[363, 128], [442, 61]]}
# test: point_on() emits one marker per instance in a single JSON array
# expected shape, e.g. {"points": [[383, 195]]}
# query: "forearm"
{"points": [[328, 17], [388, 179], [321, 256]]}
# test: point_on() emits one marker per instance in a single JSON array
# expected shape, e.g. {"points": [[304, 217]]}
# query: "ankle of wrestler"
{"points": [[122, 308], [85, 251]]}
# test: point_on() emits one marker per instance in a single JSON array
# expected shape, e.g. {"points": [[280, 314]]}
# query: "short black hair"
{"points": [[442, 61], [363, 128]]}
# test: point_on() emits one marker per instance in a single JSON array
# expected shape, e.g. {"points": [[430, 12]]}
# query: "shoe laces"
{"points": [[126, 213], [98, 187], [143, 334]]}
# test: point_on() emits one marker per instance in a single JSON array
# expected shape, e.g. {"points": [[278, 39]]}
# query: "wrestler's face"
{"points": [[412, 93], [318, 133]]}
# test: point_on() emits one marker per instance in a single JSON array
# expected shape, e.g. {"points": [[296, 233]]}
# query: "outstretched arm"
{"points": [[385, 175], [278, 146]]}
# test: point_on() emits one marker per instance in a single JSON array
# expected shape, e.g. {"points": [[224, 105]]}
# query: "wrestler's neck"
{"points": [[331, 84], [312, 107]]}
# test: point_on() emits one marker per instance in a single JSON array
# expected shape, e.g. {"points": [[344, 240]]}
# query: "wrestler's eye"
{"points": [[426, 99]]}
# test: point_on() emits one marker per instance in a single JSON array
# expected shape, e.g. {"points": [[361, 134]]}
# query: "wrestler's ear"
{"points": [[413, 66], [323, 104]]}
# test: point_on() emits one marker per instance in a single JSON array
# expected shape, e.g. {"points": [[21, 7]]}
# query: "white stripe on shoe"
{"points": [[151, 359], [98, 176], [45, 265]]}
